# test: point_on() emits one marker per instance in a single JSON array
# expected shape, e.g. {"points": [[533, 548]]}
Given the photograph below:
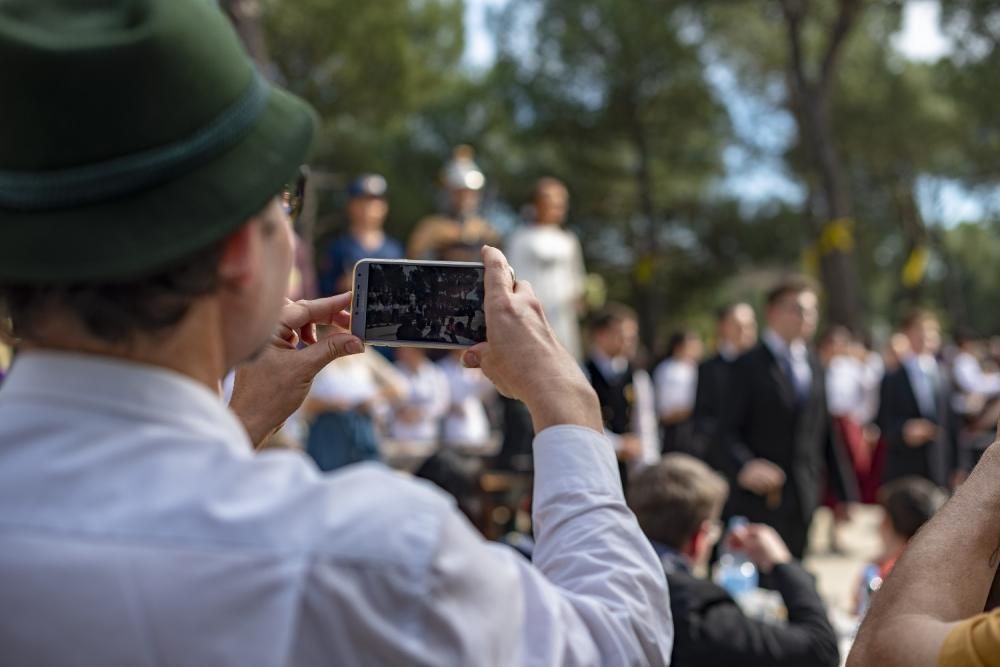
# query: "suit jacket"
{"points": [[710, 629], [765, 419], [934, 460], [710, 406]]}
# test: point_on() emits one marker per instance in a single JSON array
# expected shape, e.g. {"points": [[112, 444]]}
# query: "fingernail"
{"points": [[470, 359], [355, 346]]}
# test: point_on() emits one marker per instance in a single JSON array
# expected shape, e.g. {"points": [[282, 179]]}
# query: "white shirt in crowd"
{"points": [[923, 373], [428, 393], [971, 379], [676, 385], [136, 524], [550, 258], [797, 354], [466, 423], [845, 388]]}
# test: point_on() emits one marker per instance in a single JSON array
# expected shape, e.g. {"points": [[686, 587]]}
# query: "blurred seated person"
{"points": [[678, 503], [624, 390], [459, 232], [676, 384], [465, 424], [345, 400], [416, 416], [907, 504], [366, 238], [930, 611]]}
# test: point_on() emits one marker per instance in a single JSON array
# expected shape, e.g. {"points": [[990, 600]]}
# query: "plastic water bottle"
{"points": [[871, 581], [735, 573]]}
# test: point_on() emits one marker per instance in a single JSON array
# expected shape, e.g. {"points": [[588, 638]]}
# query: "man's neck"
{"points": [[189, 348], [368, 237]]}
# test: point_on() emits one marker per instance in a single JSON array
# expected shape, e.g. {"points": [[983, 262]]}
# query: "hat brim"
{"points": [[148, 231]]}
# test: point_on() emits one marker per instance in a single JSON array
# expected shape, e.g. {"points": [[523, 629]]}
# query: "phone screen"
{"points": [[425, 303]]}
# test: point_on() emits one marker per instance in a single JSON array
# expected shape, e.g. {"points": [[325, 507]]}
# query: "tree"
{"points": [[619, 102]]}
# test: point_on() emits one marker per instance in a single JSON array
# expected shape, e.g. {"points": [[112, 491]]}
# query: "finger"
{"points": [[498, 278], [319, 311], [342, 320], [472, 358], [330, 347], [308, 334], [523, 287]]}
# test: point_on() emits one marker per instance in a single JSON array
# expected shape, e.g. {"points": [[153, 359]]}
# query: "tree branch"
{"points": [[849, 10], [794, 12]]}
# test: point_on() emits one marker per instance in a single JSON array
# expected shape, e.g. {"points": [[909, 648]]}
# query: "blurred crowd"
{"points": [[766, 422]]}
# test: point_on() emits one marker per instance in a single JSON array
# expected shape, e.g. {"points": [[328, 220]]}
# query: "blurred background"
{"points": [[708, 146]]}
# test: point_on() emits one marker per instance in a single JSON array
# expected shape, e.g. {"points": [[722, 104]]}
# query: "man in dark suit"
{"points": [[915, 413], [736, 332], [624, 390], [777, 423], [677, 503]]}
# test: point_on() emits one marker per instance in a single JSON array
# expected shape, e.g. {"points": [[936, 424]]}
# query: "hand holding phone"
{"points": [[524, 359]]}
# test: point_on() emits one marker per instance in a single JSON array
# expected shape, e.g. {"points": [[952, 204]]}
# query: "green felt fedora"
{"points": [[133, 133]]}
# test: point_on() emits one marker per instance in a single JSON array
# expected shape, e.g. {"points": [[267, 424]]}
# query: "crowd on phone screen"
{"points": [[786, 421]]}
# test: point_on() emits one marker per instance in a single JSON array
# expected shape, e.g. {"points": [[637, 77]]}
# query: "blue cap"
{"points": [[368, 185]]}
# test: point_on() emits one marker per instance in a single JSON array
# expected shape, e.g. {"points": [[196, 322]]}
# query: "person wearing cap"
{"points": [[146, 251], [457, 234], [365, 238]]}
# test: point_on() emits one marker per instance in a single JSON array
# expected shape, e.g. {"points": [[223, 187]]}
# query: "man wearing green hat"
{"points": [[147, 248]]}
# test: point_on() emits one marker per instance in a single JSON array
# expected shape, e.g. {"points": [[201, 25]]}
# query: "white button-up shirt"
{"points": [[138, 528]]}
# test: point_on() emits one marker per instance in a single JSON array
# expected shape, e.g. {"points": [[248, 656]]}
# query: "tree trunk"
{"points": [[643, 274], [810, 102], [245, 17]]}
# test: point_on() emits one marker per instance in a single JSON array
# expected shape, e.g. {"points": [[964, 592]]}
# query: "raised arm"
{"points": [[943, 577]]}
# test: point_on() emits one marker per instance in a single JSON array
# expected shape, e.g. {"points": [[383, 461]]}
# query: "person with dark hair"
{"points": [[367, 209], [736, 333], [907, 504], [625, 391], [776, 422], [147, 250], [915, 413], [675, 380], [678, 502]]}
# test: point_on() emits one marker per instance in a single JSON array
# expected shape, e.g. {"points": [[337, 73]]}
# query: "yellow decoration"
{"points": [[837, 236], [644, 270], [916, 266]]}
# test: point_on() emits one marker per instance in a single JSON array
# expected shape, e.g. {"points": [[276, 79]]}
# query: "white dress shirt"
{"points": [[466, 423], [137, 528], [550, 258], [676, 385], [922, 371], [971, 379], [797, 354], [845, 389], [427, 392]]}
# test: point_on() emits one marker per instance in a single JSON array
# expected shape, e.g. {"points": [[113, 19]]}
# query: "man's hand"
{"points": [[631, 449], [272, 386], [918, 432], [524, 359], [762, 545], [760, 476]]}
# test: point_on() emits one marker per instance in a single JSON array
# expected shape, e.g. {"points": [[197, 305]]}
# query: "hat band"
{"points": [[65, 188]]}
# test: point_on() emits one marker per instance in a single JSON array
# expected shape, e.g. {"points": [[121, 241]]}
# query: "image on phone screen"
{"points": [[425, 304]]}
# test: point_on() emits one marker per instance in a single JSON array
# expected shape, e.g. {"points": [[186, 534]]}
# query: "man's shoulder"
{"points": [[694, 594]]}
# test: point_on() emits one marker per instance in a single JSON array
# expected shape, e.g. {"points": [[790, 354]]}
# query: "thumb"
{"points": [[330, 347], [473, 357]]}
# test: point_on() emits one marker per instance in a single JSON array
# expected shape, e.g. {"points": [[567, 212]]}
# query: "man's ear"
{"points": [[239, 254]]}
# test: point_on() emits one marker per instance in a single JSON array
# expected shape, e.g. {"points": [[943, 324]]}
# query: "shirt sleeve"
{"points": [[974, 642], [596, 593]]}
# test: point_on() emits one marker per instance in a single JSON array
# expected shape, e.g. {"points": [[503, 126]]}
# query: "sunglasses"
{"points": [[294, 193]]}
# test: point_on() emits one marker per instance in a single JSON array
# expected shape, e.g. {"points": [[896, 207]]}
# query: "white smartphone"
{"points": [[411, 303]]}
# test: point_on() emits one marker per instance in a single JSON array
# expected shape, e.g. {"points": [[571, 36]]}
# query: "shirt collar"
{"points": [[672, 559], [610, 368], [112, 385], [781, 349], [727, 352]]}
